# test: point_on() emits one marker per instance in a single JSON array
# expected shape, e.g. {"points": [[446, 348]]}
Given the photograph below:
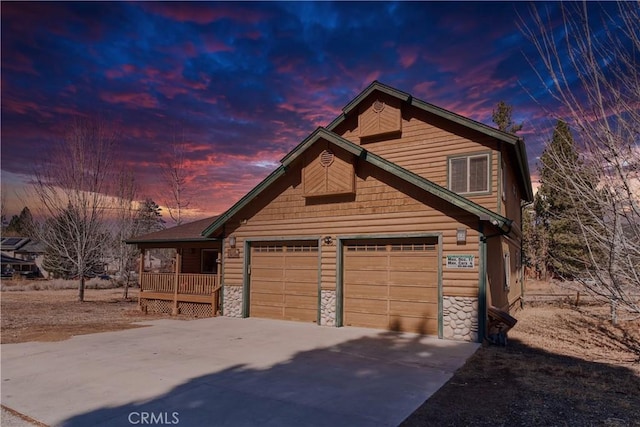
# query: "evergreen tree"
{"points": [[149, 218], [556, 208], [502, 118], [21, 225]]}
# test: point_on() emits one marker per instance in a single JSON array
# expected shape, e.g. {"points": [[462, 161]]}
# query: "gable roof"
{"points": [[357, 150], [189, 232], [511, 139]]}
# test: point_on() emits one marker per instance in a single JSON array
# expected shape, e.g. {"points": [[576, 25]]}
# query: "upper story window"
{"points": [[469, 174]]}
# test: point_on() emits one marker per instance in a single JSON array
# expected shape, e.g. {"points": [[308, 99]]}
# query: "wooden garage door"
{"points": [[392, 285], [284, 281]]}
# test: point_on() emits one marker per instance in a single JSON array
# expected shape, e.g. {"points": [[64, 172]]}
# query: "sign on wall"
{"points": [[460, 261]]}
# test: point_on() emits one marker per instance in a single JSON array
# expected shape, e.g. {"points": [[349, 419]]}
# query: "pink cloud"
{"points": [[205, 14], [133, 100], [408, 55], [212, 44]]}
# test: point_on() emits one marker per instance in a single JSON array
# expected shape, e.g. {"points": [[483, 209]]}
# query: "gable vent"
{"points": [[326, 158]]}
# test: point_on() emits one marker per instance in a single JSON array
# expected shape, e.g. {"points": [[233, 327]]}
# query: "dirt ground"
{"points": [[564, 364], [57, 315]]}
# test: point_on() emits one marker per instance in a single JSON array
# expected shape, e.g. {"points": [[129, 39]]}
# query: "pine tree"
{"points": [[21, 225], [502, 118], [149, 218], [556, 208]]}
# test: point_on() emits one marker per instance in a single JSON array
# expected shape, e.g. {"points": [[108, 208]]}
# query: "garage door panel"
{"points": [[394, 287], [418, 278], [267, 260], [301, 288], [424, 262], [362, 305], [418, 293], [274, 287], [412, 308], [301, 301], [367, 320], [270, 312], [284, 282], [357, 290], [417, 325], [309, 276]]}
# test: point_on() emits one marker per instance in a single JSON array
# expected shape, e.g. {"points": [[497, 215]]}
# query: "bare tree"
{"points": [[72, 187], [595, 77], [126, 226], [174, 173]]}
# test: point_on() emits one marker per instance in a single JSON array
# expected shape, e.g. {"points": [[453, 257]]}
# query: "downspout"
{"points": [[482, 292]]}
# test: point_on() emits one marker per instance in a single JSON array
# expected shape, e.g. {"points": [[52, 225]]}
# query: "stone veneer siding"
{"points": [[460, 318], [232, 301], [328, 308]]}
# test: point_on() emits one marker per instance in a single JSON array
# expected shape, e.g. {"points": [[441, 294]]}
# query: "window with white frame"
{"points": [[469, 174]]}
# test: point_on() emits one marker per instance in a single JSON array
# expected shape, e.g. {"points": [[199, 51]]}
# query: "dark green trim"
{"points": [[339, 282], [487, 153], [319, 312], [320, 133], [375, 85], [500, 183], [244, 201], [440, 290], [246, 279], [221, 267], [482, 285], [340, 242]]}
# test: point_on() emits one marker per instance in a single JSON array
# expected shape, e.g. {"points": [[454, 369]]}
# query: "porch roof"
{"points": [[189, 232]]}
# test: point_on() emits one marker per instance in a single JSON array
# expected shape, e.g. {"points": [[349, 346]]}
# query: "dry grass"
{"points": [[57, 315], [564, 365], [22, 285]]}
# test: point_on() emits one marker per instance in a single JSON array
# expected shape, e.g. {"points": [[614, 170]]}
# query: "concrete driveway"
{"points": [[228, 372]]}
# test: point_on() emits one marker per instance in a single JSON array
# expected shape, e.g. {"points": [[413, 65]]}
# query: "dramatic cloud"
{"points": [[243, 83]]}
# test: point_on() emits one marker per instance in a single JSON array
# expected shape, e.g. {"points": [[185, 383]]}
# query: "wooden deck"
{"points": [[178, 290]]}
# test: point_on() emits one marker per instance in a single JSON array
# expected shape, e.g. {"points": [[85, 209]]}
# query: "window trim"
{"points": [[467, 156]]}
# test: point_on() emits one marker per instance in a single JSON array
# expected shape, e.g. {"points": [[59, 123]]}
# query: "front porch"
{"points": [[190, 283]]}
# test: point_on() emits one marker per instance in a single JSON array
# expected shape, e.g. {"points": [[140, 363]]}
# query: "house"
{"points": [[398, 215], [23, 255]]}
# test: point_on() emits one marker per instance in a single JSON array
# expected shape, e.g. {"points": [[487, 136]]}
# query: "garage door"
{"points": [[392, 285], [284, 281]]}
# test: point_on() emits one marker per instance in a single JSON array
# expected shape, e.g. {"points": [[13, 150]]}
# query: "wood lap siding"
{"points": [[424, 146], [383, 204]]}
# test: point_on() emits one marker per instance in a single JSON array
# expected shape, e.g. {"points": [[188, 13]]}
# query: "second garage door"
{"points": [[392, 285], [284, 281]]}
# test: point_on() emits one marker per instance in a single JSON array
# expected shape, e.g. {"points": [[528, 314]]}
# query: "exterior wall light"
{"points": [[327, 240], [232, 241], [461, 235]]}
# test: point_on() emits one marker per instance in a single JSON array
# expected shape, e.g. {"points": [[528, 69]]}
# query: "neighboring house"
{"points": [[27, 255], [398, 215]]}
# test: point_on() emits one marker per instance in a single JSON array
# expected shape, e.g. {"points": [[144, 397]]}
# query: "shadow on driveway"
{"points": [[375, 380]]}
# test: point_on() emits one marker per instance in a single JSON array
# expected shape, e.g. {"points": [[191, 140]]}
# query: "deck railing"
{"points": [[175, 290], [190, 284]]}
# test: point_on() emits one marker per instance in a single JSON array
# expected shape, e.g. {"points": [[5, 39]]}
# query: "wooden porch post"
{"points": [[217, 288], [178, 267], [140, 272]]}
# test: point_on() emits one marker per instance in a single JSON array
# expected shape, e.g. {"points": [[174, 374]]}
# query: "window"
{"points": [[469, 174], [209, 261]]}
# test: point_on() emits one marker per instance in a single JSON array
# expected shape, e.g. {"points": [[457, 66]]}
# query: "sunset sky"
{"points": [[244, 83]]}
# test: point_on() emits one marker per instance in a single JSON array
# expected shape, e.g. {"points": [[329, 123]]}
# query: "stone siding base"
{"points": [[460, 318], [328, 308], [232, 300]]}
